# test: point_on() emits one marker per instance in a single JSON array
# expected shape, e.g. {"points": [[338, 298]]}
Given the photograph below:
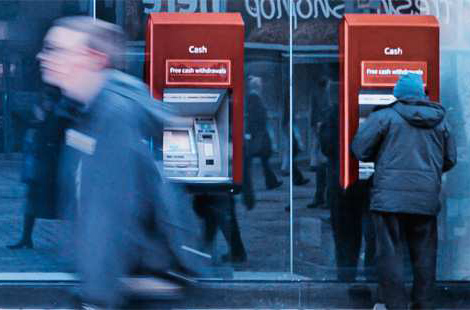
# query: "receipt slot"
{"points": [[194, 64], [375, 50]]}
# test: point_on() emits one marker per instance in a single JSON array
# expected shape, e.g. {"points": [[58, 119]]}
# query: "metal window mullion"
{"points": [[291, 198], [93, 8]]}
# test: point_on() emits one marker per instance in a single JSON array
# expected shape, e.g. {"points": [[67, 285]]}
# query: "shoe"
{"points": [[21, 245], [226, 258], [249, 203], [301, 182], [379, 306], [275, 185], [316, 204], [89, 306], [150, 287]]}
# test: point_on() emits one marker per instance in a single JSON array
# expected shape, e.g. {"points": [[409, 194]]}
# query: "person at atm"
{"points": [[298, 177], [411, 145]]}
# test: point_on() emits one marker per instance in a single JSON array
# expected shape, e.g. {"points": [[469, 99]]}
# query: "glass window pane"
{"points": [[23, 25], [260, 216], [454, 219], [332, 232]]}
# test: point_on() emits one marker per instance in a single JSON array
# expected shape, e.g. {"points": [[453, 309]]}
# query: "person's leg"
{"points": [[348, 236], [270, 178], [228, 223], [298, 177], [369, 247], [285, 153], [389, 236], [368, 233], [321, 183], [204, 207], [26, 239], [320, 187], [211, 226], [249, 198], [422, 241]]}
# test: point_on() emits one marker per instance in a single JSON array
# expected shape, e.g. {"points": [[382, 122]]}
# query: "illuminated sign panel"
{"points": [[198, 72], [387, 73]]}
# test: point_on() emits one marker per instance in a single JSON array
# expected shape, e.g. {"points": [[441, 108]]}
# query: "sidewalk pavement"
{"points": [[226, 295]]}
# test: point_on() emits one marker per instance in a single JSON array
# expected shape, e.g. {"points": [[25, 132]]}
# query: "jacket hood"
{"points": [[409, 86], [420, 113]]}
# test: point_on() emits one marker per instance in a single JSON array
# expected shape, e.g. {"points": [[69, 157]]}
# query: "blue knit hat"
{"points": [[409, 86]]}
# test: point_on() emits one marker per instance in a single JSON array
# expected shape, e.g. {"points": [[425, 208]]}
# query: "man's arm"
{"points": [[450, 150], [367, 140]]}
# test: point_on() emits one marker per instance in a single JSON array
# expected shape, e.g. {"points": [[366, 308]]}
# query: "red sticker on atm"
{"points": [[198, 72], [387, 73]]}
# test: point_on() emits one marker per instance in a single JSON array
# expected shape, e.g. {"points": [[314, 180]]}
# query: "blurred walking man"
{"points": [[411, 145], [106, 172]]}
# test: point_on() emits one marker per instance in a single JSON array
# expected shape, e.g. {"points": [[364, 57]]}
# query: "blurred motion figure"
{"points": [[108, 180]]}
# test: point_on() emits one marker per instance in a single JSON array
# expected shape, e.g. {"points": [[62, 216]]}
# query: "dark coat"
{"points": [[329, 134], [259, 143], [411, 145], [40, 165]]}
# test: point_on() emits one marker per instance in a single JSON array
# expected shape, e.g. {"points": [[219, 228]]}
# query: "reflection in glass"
{"points": [[29, 134]]}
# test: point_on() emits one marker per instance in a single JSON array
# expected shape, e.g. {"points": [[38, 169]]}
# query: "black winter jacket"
{"points": [[411, 146], [256, 126]]}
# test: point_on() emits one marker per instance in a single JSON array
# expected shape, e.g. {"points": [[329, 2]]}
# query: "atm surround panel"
{"points": [[206, 114]]}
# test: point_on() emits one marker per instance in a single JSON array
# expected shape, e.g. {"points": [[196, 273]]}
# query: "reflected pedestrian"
{"points": [[411, 146], [349, 210], [298, 177], [39, 171], [320, 108], [257, 142], [217, 210]]}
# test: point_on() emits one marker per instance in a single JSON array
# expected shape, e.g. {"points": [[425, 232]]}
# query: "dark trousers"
{"points": [[270, 179], [247, 187], [394, 232], [269, 175], [321, 182], [218, 212], [351, 222]]}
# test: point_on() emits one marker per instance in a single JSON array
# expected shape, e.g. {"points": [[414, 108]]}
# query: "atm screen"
{"points": [[178, 141]]}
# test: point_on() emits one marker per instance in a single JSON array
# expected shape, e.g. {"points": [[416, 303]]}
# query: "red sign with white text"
{"points": [[387, 73], [198, 72]]}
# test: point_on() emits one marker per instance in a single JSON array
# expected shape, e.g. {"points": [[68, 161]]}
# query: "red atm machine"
{"points": [[195, 64], [375, 50]]}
